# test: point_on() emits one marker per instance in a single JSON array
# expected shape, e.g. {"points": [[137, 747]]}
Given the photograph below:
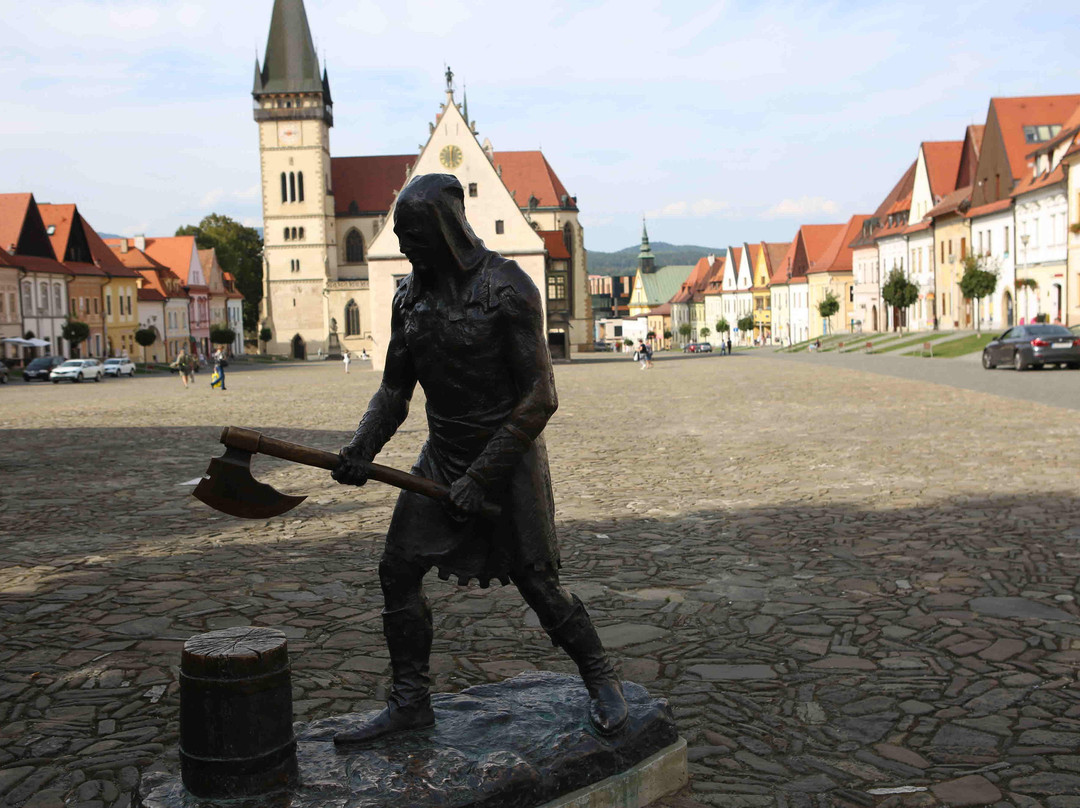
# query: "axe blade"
{"points": [[229, 487]]}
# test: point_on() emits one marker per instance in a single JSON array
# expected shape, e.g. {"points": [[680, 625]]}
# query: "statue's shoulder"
{"points": [[403, 295], [508, 282]]}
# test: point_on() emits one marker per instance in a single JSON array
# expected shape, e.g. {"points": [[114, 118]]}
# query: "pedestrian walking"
{"points": [[185, 366], [729, 346], [217, 378], [642, 356], [346, 360]]}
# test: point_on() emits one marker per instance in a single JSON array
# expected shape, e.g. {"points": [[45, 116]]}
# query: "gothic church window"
{"points": [[284, 189], [292, 186], [301, 234], [300, 186], [354, 247], [352, 319], [286, 234]]}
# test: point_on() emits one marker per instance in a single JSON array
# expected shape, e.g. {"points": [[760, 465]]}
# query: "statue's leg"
{"points": [[567, 622], [407, 627]]}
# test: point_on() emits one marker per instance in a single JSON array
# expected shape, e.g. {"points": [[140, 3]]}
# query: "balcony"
{"points": [[325, 113]]}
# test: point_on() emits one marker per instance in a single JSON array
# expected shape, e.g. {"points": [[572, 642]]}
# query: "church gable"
{"points": [[490, 208], [746, 273]]}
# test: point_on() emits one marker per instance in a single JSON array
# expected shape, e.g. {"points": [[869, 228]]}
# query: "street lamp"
{"points": [[1024, 241]]}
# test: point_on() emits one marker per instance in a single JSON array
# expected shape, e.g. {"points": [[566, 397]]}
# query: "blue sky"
{"points": [[722, 122]]}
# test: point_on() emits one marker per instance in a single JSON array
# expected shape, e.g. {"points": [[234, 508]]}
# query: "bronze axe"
{"points": [[229, 487]]}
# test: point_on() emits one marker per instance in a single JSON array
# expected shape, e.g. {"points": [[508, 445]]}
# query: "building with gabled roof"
{"points": [[226, 304], [834, 274], [330, 256], [811, 247], [162, 301], [780, 299], [1069, 142], [42, 280], [682, 302]]}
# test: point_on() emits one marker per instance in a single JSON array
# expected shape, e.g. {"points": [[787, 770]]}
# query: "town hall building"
{"points": [[331, 258]]}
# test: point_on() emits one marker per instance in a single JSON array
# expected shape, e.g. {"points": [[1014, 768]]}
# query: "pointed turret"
{"points": [[646, 259], [290, 64], [257, 86]]}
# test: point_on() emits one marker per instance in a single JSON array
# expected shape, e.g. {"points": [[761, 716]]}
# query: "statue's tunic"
{"points": [[472, 357]]}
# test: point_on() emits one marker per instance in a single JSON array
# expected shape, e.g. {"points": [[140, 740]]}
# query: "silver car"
{"points": [[1035, 345], [75, 370]]}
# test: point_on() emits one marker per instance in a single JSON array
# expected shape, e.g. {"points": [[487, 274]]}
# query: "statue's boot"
{"points": [[577, 636], [408, 637]]}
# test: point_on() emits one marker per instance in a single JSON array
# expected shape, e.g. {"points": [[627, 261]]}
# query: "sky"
{"points": [[721, 122]]}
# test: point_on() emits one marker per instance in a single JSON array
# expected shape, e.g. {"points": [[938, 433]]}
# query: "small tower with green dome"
{"points": [[646, 259]]}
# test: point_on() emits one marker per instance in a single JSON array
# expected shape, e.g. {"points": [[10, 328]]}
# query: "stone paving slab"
{"points": [[846, 583]]}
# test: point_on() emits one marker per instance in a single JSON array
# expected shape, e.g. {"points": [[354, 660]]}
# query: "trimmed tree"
{"points": [[722, 326], [978, 282], [899, 292], [828, 306], [145, 337], [705, 332], [265, 335], [75, 332], [685, 330], [746, 325], [222, 335]]}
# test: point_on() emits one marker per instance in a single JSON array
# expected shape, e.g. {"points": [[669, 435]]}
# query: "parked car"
{"points": [[1035, 345], [704, 347], [75, 370], [119, 367], [40, 368], [690, 347]]}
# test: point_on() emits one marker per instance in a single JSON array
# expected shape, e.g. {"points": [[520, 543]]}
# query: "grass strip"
{"points": [[959, 347]]}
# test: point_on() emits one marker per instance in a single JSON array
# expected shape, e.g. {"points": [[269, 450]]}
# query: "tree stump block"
{"points": [[236, 734]]}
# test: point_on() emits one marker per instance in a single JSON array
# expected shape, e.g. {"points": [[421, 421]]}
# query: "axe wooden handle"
{"points": [[249, 440]]}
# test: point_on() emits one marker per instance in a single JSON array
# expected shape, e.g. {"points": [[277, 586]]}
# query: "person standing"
{"points": [[217, 378], [729, 346], [346, 360], [184, 365]]}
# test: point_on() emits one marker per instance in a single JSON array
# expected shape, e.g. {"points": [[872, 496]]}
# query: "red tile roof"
{"points": [[103, 256], [174, 252], [942, 162], [956, 202], [697, 276], [1030, 183], [774, 256], [715, 273], [371, 182], [817, 238], [1013, 114], [837, 256], [664, 309], [61, 217], [993, 207], [781, 273], [13, 209], [716, 276], [902, 188], [35, 263], [554, 244]]}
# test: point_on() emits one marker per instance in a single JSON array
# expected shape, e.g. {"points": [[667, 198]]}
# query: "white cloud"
{"points": [[802, 207], [697, 209], [211, 198]]}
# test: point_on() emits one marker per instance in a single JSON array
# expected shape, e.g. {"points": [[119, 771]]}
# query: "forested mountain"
{"points": [[626, 260]]}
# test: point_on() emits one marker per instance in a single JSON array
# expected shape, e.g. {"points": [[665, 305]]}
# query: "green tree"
{"points": [[75, 332], [239, 251], [898, 291], [978, 281], [265, 335], [828, 306], [686, 331], [705, 333], [722, 326], [746, 324], [667, 334], [145, 337], [222, 335]]}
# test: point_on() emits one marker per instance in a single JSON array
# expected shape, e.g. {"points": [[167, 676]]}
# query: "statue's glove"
{"points": [[467, 497], [354, 464]]}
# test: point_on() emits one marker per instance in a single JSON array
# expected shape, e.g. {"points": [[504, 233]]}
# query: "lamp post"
{"points": [[1024, 241]]}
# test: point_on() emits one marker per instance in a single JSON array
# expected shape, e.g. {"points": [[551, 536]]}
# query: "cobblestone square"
{"points": [[846, 583]]}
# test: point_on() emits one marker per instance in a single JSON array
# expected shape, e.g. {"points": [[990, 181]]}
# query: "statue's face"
{"points": [[418, 238]]}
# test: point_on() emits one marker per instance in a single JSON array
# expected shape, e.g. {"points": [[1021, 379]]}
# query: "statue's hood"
{"points": [[439, 200]]}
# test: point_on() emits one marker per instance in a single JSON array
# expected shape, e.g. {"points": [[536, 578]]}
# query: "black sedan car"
{"points": [[39, 369], [1035, 345]]}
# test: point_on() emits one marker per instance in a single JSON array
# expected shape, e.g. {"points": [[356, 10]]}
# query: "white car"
{"points": [[75, 370], [119, 367]]}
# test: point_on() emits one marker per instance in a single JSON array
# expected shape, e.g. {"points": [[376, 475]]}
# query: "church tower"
{"points": [[646, 259], [294, 112]]}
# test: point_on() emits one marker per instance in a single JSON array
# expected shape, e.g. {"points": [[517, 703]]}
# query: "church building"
{"points": [[332, 260]]}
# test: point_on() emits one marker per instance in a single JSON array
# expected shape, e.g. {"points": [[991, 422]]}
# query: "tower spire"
{"points": [[646, 259], [290, 64]]}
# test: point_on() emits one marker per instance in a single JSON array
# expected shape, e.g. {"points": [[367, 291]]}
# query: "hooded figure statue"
{"points": [[468, 325]]}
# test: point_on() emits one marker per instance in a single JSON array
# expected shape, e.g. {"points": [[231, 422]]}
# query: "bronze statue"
{"points": [[468, 325]]}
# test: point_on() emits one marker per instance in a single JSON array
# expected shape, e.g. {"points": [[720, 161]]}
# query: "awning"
{"points": [[27, 343]]}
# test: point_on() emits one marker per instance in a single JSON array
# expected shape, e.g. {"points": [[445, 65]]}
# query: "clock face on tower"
{"points": [[288, 134], [450, 156]]}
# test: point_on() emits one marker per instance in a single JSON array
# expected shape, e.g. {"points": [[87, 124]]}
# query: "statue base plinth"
{"points": [[522, 743], [333, 346]]}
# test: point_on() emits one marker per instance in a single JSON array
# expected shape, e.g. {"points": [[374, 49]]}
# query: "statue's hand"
{"points": [[353, 466], [466, 498]]}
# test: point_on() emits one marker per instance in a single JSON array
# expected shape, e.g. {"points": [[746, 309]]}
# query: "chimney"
{"points": [[123, 245], [140, 242]]}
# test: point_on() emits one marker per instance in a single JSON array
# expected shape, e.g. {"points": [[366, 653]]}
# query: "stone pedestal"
{"points": [[522, 743], [333, 346]]}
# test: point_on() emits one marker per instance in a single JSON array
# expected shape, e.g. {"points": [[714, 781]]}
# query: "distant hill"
{"points": [[625, 260]]}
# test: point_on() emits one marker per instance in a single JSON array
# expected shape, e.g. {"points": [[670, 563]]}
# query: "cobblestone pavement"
{"points": [[847, 584]]}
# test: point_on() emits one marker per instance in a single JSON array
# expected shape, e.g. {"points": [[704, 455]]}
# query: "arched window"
{"points": [[292, 186], [300, 186], [284, 190], [352, 319], [294, 233], [286, 234], [301, 234], [354, 247], [568, 237]]}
